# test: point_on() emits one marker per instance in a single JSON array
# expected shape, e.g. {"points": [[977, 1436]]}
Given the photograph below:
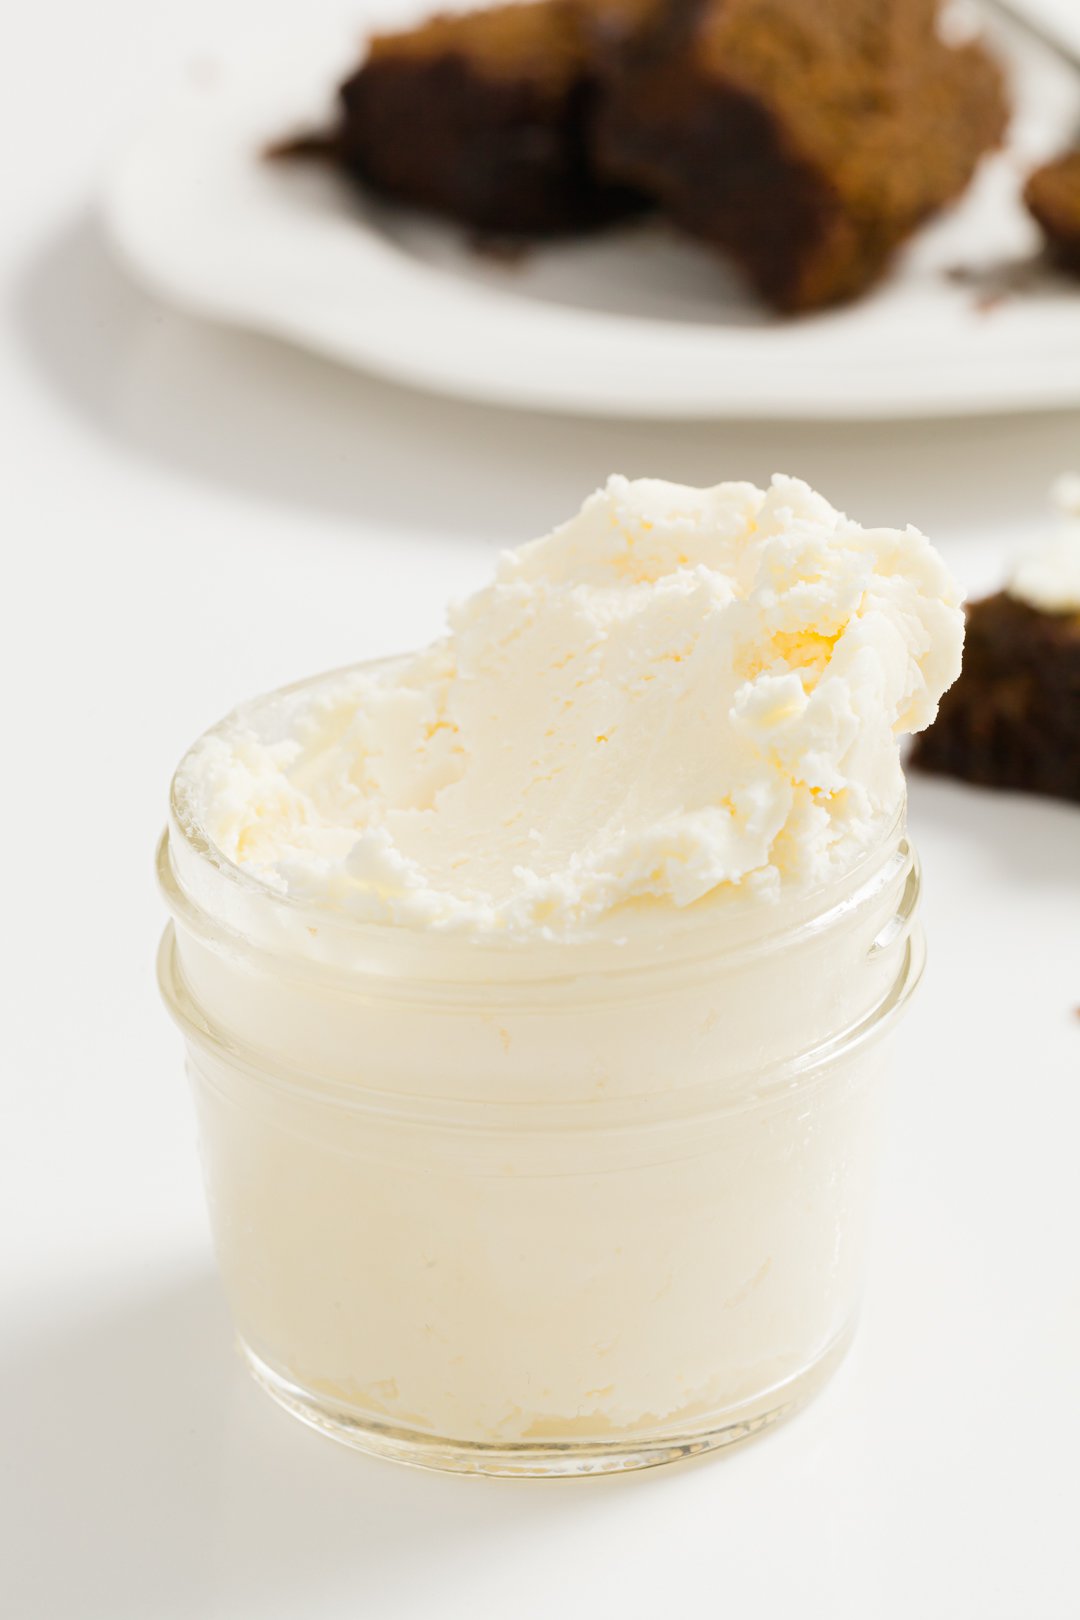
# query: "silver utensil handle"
{"points": [[1045, 32]]}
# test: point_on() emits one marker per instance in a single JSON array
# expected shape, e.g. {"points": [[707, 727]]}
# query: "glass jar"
{"points": [[553, 1209]]}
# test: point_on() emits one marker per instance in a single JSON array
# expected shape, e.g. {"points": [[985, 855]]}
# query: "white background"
{"points": [[192, 516]]}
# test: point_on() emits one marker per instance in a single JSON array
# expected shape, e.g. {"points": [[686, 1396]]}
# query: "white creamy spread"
{"points": [[678, 691], [463, 1193], [1048, 578]]}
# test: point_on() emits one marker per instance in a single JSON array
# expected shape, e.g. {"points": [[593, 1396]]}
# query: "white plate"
{"points": [[631, 323]]}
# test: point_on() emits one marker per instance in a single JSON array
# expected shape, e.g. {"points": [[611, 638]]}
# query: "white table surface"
{"points": [[192, 516]]}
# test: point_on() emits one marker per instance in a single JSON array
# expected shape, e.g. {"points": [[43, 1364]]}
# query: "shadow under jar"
{"points": [[542, 1209]]}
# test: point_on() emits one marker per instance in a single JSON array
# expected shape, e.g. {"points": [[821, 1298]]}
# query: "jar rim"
{"points": [[217, 899], [633, 1111]]}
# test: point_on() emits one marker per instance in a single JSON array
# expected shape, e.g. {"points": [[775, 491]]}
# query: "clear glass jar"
{"points": [[548, 1210]]}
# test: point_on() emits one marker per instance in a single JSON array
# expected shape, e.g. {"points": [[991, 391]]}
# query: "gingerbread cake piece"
{"points": [[1052, 195], [806, 138], [1013, 718], [483, 117]]}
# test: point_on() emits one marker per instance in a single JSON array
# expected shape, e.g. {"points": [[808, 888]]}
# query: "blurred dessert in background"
{"points": [[1013, 718], [1052, 195], [807, 139], [484, 117]]}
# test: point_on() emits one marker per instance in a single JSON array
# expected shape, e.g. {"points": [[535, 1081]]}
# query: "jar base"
{"points": [[548, 1459]]}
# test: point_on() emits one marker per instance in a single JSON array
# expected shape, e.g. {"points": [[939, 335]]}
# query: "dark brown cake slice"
{"points": [[808, 138], [1052, 195], [1013, 718], [483, 117]]}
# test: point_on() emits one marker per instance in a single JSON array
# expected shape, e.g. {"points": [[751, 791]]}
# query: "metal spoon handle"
{"points": [[1036, 28]]}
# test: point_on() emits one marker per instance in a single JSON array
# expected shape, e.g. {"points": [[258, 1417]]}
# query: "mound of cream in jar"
{"points": [[677, 692], [537, 986]]}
